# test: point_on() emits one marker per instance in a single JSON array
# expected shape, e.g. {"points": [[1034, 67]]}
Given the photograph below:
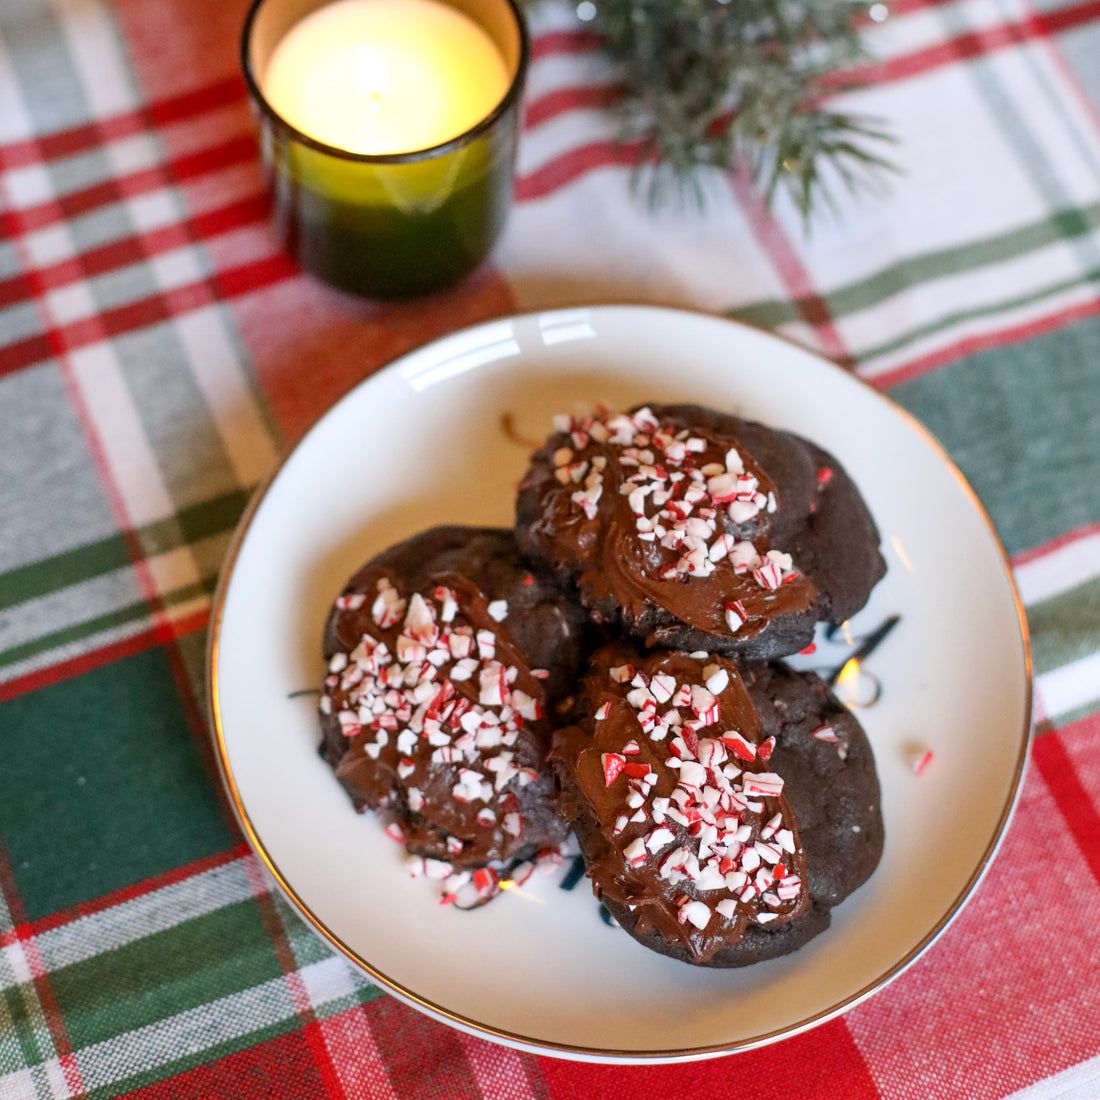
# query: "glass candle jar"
{"points": [[354, 207]]}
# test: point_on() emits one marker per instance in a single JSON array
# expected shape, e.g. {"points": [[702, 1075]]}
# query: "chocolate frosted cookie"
{"points": [[447, 658], [721, 809], [699, 530]]}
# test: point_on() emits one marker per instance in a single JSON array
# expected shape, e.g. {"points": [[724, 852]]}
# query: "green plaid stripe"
{"points": [[1028, 146], [108, 766], [211, 519], [1067, 627], [166, 982], [1022, 422], [975, 256]]}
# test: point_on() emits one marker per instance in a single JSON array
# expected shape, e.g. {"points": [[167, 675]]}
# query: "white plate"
{"points": [[422, 443]]}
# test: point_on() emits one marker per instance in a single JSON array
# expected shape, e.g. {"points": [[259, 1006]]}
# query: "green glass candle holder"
{"points": [[395, 224]]}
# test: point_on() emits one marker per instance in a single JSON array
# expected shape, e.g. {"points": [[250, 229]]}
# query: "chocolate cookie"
{"points": [[722, 809], [699, 530], [447, 658]]}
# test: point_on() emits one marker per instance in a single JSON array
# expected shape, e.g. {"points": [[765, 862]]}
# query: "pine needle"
{"points": [[739, 86]]}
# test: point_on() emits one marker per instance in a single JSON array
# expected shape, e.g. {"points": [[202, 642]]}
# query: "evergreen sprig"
{"points": [[739, 84]]}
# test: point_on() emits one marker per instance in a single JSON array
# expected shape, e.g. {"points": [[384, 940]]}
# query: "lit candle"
{"points": [[385, 76], [389, 131]]}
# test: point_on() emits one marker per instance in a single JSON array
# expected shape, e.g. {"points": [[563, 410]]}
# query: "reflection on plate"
{"points": [[437, 438]]}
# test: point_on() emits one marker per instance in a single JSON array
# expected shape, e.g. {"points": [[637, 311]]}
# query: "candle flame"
{"points": [[511, 884], [849, 672], [371, 76]]}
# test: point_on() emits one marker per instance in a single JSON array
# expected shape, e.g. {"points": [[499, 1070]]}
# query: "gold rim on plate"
{"points": [[568, 1050]]}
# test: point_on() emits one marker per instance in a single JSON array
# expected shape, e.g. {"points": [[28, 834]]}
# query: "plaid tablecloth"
{"points": [[158, 352]]}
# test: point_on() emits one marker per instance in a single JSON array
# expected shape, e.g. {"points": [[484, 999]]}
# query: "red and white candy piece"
{"points": [[486, 882], [766, 784], [920, 759], [697, 913], [742, 749], [613, 764], [736, 616]]}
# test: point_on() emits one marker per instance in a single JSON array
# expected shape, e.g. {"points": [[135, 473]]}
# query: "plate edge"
{"points": [[567, 1050]]}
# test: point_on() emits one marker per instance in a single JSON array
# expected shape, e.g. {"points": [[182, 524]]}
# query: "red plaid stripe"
{"points": [[22, 940], [563, 100], [792, 271], [1011, 334], [136, 643], [273, 1070], [75, 204], [1054, 756], [571, 166], [360, 1068], [822, 1064], [310, 1030], [425, 1059], [154, 115], [148, 886], [563, 42], [965, 46], [1056, 544], [227, 284]]}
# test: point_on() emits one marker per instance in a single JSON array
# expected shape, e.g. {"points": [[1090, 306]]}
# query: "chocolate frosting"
{"points": [[738, 541], [705, 848], [432, 712]]}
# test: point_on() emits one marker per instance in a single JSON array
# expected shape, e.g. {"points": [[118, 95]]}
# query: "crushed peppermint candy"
{"points": [[829, 735], [737, 844], [439, 694], [468, 889], [682, 490], [920, 759]]}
